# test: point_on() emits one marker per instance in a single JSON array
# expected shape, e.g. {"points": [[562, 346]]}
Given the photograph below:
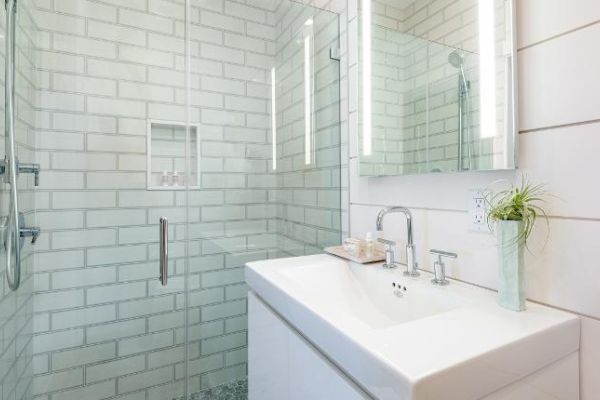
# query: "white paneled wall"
{"points": [[558, 145]]}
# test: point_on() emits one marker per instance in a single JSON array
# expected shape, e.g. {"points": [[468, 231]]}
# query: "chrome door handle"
{"points": [[164, 250]]}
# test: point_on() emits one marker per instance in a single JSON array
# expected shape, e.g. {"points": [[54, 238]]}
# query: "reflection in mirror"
{"points": [[437, 88]]}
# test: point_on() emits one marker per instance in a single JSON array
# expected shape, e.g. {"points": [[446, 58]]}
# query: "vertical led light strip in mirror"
{"points": [[487, 68], [307, 98], [367, 145], [273, 118]]}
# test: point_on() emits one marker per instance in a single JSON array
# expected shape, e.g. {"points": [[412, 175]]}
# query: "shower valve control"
{"points": [[23, 168]]}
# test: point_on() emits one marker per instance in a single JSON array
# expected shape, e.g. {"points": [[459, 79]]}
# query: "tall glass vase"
{"points": [[511, 282]]}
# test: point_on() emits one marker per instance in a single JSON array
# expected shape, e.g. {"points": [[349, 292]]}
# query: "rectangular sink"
{"points": [[404, 338], [369, 295]]}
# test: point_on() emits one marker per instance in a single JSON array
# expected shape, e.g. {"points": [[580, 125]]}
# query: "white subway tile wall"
{"points": [[104, 326], [16, 321]]}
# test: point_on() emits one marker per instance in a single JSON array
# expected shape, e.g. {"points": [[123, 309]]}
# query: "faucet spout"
{"points": [[411, 263]]}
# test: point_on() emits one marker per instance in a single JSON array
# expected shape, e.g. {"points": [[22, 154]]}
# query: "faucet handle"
{"points": [[386, 242], [389, 253], [439, 268], [443, 253]]}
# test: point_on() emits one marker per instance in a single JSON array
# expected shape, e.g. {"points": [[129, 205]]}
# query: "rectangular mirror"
{"points": [[437, 86]]}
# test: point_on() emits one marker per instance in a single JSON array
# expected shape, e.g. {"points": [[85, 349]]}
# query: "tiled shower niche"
{"points": [[166, 155]]}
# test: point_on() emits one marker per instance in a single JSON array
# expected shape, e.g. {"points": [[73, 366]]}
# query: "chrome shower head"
{"points": [[456, 59]]}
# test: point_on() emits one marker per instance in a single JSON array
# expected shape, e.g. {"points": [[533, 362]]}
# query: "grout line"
{"points": [[565, 33], [454, 210], [530, 300], [560, 126]]}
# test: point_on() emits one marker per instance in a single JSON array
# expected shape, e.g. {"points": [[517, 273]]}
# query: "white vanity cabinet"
{"points": [[284, 366]]}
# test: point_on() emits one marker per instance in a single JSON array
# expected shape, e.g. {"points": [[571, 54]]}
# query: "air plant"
{"points": [[518, 203]]}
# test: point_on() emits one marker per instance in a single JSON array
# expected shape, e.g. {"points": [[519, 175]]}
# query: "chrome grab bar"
{"points": [[164, 250]]}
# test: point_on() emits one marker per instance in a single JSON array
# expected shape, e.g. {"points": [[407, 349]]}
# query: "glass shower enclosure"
{"points": [[219, 118]]}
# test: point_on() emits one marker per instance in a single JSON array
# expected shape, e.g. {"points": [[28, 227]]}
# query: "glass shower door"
{"points": [[265, 99], [114, 145]]}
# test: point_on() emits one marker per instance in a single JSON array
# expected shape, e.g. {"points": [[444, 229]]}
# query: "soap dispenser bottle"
{"points": [[369, 245]]}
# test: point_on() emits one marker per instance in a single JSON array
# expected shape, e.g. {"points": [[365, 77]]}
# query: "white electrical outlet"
{"points": [[477, 211]]}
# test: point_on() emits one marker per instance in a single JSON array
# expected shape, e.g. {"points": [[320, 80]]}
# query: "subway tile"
{"points": [[220, 21], [59, 22], [83, 161], [140, 381], [83, 277], [60, 101], [48, 140], [223, 343], [236, 324], [169, 320], [141, 91], [58, 340], [118, 217], [56, 260], [115, 107], [145, 343], [113, 369], [58, 380], [146, 56], [220, 53], [115, 330], [146, 306], [222, 278], [116, 255], [206, 296], [83, 355], [207, 363], [116, 70], [116, 180], [145, 21], [133, 4], [145, 199], [83, 122], [82, 317], [51, 301], [116, 33], [88, 9], [59, 219], [116, 143], [83, 199], [245, 12], [98, 391], [166, 357], [224, 310], [84, 46], [82, 84], [225, 213], [62, 180], [166, 43]]}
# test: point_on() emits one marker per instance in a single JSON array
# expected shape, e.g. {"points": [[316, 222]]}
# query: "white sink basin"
{"points": [[430, 342]]}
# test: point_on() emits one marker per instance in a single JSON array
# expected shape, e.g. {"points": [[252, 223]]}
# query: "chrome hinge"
{"points": [[334, 53]]}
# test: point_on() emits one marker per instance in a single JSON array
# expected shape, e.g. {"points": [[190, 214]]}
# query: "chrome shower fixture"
{"points": [[457, 60]]}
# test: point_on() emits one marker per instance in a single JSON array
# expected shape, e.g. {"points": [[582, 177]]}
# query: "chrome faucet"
{"points": [[411, 263]]}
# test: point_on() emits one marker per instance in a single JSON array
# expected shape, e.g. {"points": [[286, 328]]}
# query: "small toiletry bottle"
{"points": [[369, 245], [175, 178], [164, 180]]}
